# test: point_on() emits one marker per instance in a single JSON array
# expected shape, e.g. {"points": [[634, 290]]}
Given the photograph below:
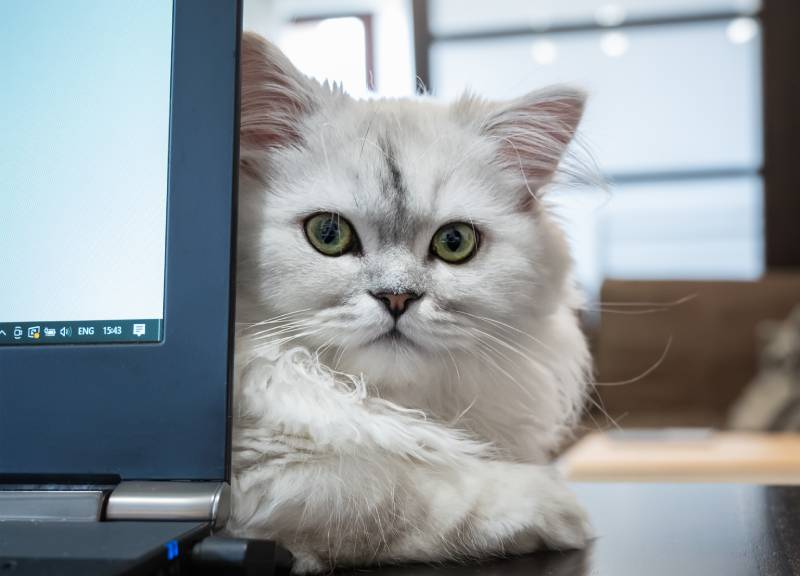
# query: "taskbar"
{"points": [[80, 332]]}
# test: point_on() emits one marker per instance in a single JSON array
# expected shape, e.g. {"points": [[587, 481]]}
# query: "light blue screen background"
{"points": [[84, 128]]}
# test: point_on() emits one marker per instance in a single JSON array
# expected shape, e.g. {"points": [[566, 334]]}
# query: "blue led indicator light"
{"points": [[172, 549]]}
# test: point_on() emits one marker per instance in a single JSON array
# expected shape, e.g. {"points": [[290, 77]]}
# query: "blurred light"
{"points": [[610, 15], [742, 30], [614, 44], [332, 49], [544, 52]]}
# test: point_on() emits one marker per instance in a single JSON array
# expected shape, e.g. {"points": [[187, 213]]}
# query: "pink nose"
{"points": [[396, 304]]}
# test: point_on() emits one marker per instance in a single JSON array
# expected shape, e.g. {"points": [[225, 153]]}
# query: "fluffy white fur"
{"points": [[350, 448]]}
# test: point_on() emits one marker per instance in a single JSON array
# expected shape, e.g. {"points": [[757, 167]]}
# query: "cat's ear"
{"points": [[275, 96], [533, 131]]}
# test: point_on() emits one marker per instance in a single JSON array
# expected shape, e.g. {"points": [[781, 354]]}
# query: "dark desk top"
{"points": [[669, 530]]}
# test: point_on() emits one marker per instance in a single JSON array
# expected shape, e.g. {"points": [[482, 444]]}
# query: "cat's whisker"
{"points": [[520, 386], [511, 378], [279, 331], [278, 326], [287, 339], [603, 411], [646, 372], [464, 412], [598, 427], [648, 307], [592, 400], [319, 351], [340, 355], [510, 142], [507, 327], [366, 134], [441, 359], [273, 319], [497, 352], [322, 349], [455, 364], [667, 304], [516, 349], [484, 348], [625, 312], [337, 355]]}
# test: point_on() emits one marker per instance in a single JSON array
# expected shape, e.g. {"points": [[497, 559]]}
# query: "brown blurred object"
{"points": [[713, 350], [684, 456]]}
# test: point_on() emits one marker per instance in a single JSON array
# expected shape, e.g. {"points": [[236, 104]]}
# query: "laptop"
{"points": [[118, 164]]}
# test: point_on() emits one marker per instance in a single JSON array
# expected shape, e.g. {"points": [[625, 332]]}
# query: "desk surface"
{"points": [[665, 529], [685, 456]]}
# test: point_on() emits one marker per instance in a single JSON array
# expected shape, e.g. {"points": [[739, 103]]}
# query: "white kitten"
{"points": [[410, 353]]}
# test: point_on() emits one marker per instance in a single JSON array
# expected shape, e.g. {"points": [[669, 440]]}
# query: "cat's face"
{"points": [[392, 235]]}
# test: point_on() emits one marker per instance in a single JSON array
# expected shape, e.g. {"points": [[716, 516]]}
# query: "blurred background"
{"points": [[689, 259]]}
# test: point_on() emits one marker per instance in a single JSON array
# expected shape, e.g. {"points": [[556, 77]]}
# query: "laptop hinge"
{"points": [[185, 501], [51, 505]]}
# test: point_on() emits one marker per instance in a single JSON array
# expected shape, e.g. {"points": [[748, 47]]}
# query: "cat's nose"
{"points": [[396, 304]]}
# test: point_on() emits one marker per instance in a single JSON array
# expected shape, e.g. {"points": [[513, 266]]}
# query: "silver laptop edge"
{"points": [[134, 500]]}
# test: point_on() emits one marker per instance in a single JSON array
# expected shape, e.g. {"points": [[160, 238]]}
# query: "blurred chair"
{"points": [[712, 340], [672, 357]]}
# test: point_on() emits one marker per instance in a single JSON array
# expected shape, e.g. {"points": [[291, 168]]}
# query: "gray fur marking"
{"points": [[397, 224]]}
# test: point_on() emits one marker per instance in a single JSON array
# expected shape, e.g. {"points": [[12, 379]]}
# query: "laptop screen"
{"points": [[84, 145]]}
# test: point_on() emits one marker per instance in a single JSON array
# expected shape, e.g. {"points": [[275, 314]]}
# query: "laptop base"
{"points": [[30, 548]]}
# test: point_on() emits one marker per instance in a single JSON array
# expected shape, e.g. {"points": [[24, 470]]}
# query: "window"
{"points": [[674, 120], [365, 44]]}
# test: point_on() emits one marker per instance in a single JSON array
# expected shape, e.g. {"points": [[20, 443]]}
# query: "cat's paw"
{"points": [[308, 563], [563, 523], [532, 508]]}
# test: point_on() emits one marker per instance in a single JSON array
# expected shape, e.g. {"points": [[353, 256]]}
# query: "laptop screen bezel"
{"points": [[153, 410]]}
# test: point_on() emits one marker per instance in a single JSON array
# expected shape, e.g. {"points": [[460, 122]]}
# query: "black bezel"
{"points": [[153, 411]]}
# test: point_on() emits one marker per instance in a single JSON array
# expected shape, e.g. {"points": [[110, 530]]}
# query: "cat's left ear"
{"points": [[275, 97], [533, 132]]}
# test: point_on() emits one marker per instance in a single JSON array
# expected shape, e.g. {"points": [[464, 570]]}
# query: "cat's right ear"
{"points": [[275, 96]]}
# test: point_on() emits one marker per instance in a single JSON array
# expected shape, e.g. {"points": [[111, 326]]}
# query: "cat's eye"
{"points": [[330, 234], [455, 243]]}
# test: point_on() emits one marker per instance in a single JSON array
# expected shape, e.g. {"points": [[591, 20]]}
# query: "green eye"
{"points": [[455, 242], [330, 234]]}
